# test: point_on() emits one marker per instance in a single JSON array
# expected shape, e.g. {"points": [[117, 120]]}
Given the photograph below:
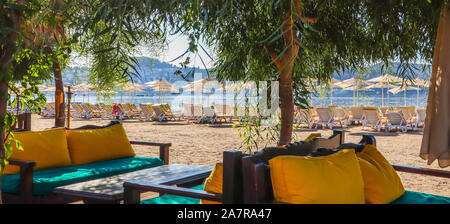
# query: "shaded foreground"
{"points": [[204, 144]]}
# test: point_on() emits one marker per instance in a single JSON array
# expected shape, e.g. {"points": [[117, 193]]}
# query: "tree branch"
{"points": [[274, 57], [299, 10]]}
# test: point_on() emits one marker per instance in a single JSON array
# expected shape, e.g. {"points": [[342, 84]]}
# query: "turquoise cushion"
{"points": [[174, 199], [44, 181], [411, 197]]}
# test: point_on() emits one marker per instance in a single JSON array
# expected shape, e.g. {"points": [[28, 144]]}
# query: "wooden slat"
{"points": [[422, 171]]}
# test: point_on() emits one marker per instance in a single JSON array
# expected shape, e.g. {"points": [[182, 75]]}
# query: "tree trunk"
{"points": [[60, 116], [3, 104], [286, 90]]}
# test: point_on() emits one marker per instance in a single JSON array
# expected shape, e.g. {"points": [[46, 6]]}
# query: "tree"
{"points": [[295, 41]]}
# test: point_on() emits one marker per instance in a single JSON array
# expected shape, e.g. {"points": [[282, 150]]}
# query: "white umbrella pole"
{"points": [[417, 98], [389, 100], [354, 102], [404, 97], [382, 97], [331, 96]]}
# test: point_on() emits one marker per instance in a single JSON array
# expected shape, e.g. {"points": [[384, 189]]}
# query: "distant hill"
{"points": [[149, 69], [422, 71], [152, 69]]}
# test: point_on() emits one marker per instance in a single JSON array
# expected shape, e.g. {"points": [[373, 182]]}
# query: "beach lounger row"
{"points": [[210, 114], [387, 118]]}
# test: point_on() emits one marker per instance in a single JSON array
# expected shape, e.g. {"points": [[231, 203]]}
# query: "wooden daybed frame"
{"points": [[25, 194], [257, 182], [233, 181], [232, 185]]}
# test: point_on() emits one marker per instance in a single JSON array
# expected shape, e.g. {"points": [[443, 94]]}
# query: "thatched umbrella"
{"points": [[382, 85], [403, 89]]}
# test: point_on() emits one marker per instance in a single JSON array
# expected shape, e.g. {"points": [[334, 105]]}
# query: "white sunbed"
{"points": [[372, 119], [396, 120]]}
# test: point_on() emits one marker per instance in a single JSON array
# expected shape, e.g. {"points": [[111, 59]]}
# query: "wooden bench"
{"points": [[257, 181], [27, 174]]}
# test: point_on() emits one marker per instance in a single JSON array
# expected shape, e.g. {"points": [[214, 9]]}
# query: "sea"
{"points": [[337, 97]]}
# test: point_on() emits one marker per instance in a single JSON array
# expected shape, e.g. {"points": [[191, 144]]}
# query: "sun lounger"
{"points": [[209, 115], [407, 114], [396, 120], [306, 118], [91, 112], [372, 118], [356, 114], [147, 111], [224, 111], [325, 117], [161, 115], [421, 114], [107, 111], [79, 112], [48, 110], [340, 116]]}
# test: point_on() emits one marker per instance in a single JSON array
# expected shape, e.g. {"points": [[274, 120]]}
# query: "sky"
{"points": [[177, 45]]}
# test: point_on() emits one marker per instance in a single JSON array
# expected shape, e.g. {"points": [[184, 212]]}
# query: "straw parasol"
{"points": [[382, 85], [403, 89], [420, 83], [83, 87], [130, 87], [355, 85], [161, 86], [386, 79], [159, 83], [202, 85], [333, 84]]}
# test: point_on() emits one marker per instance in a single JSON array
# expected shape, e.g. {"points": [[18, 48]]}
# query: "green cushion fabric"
{"points": [[174, 199], [44, 181], [411, 197]]}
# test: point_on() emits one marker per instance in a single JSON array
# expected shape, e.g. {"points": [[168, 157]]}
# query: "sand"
{"points": [[204, 143]]}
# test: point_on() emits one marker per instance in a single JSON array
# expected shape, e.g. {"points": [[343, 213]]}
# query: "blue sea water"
{"points": [[339, 98]]}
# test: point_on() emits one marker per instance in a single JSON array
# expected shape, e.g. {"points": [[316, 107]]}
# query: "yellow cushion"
{"points": [[93, 145], [47, 148], [332, 179], [214, 183], [312, 136], [381, 182]]}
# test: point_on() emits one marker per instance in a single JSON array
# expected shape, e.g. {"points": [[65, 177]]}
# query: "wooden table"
{"points": [[110, 189]]}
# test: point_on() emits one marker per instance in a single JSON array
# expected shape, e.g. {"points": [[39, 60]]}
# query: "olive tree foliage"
{"points": [[109, 33], [297, 41]]}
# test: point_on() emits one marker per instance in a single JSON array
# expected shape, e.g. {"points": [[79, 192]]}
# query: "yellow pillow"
{"points": [[382, 184], [47, 148], [332, 179], [312, 136], [94, 145], [214, 183]]}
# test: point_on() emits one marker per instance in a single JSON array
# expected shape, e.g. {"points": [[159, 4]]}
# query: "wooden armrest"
{"points": [[163, 148], [423, 171], [132, 189], [22, 163], [150, 143], [26, 178]]}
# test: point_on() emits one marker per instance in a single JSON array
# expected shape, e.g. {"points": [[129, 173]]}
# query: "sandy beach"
{"points": [[204, 143]]}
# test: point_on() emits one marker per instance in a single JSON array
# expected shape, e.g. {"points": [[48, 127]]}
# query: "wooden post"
{"points": [[69, 96]]}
